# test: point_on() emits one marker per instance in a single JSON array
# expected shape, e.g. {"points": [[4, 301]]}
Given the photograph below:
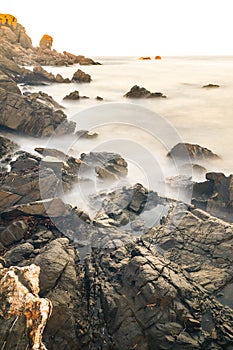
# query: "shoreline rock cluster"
{"points": [[144, 272]]}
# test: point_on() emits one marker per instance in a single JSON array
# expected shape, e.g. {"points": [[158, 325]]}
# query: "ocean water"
{"points": [[144, 130]]}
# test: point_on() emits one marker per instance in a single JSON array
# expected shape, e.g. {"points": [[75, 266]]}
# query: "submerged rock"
{"points": [[141, 92], [85, 134]]}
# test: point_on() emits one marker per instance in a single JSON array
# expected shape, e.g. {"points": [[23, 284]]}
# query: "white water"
{"points": [[146, 129]]}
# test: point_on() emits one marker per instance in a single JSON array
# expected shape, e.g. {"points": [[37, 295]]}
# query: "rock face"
{"points": [[17, 45], [46, 42], [81, 77], [195, 152], [215, 195], [13, 32], [141, 92], [6, 146], [20, 287], [31, 117]]}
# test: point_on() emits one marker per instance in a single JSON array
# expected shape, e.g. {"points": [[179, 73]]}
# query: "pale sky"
{"points": [[129, 27]]}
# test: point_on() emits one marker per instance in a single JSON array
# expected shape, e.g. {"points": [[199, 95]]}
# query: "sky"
{"points": [[129, 27]]}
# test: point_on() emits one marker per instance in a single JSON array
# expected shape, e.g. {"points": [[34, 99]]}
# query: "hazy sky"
{"points": [[129, 27]]}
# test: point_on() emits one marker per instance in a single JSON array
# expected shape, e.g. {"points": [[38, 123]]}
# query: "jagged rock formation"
{"points": [[12, 31], [215, 195], [20, 288], [17, 45], [46, 42], [81, 77], [31, 117], [155, 292], [140, 92]]}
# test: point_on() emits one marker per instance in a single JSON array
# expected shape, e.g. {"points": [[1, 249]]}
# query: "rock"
{"points": [[139, 198], [215, 195], [141, 92], [19, 290], [158, 57], [31, 117], [85, 134], [195, 152], [51, 152], [195, 168], [82, 60], [18, 254], [145, 58], [26, 186], [44, 99], [6, 146], [180, 181], [46, 42], [105, 174], [13, 233], [24, 162], [8, 84], [13, 32], [72, 96], [60, 79], [81, 77], [98, 98], [111, 162], [211, 86], [52, 207], [52, 163]]}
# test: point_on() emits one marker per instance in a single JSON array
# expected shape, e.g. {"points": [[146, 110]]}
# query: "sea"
{"points": [[144, 130]]}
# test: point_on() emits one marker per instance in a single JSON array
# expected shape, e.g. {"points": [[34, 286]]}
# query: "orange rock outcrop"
{"points": [[8, 19], [46, 42]]}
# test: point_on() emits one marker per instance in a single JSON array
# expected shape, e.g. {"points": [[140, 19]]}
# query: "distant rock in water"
{"points": [[158, 57], [144, 58], [74, 96], [182, 150], [81, 77], [82, 60], [46, 42], [140, 92], [211, 86]]}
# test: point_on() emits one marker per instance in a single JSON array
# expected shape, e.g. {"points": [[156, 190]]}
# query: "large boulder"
{"points": [[31, 117], [195, 152]]}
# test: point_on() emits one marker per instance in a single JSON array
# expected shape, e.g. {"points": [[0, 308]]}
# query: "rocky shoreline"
{"points": [[145, 273]]}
